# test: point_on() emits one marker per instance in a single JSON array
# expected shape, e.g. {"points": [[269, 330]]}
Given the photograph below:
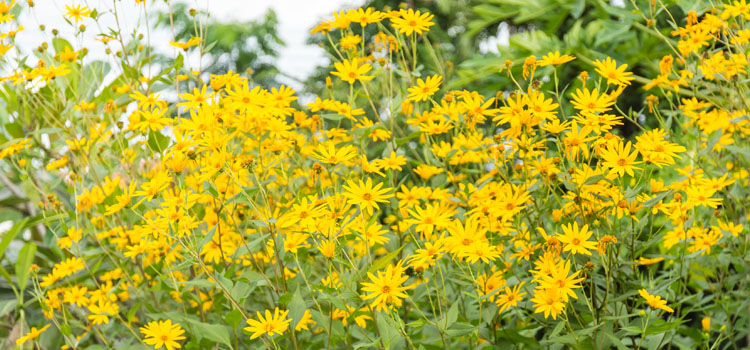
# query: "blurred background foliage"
{"points": [[250, 48]]}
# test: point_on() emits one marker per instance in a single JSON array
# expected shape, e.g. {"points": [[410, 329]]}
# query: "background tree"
{"points": [[250, 47]]}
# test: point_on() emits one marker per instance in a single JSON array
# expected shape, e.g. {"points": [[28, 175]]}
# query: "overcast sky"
{"points": [[296, 18]]}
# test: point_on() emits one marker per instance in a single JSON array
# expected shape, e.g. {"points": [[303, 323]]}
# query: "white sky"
{"points": [[296, 18]]}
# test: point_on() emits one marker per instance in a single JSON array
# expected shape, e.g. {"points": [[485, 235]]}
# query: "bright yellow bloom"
{"points": [[411, 21], [590, 101], [186, 45], [555, 59], [351, 71], [548, 301], [331, 154], [386, 288], [655, 301], [196, 100], [425, 88], [577, 240], [33, 334], [364, 17], [366, 195], [510, 297], [163, 333], [277, 323], [615, 75], [77, 12], [619, 159]]}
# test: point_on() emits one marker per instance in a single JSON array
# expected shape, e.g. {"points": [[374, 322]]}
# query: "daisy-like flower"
{"points": [[577, 240], [163, 334], [196, 100], [365, 17], [330, 154], [366, 195], [277, 323], [619, 159], [425, 88], [590, 101], [186, 45], [33, 334], [427, 171], [77, 12], [559, 280], [413, 22], [386, 288], [393, 162], [655, 301], [615, 75], [555, 59], [548, 301], [510, 297], [351, 71], [480, 250]]}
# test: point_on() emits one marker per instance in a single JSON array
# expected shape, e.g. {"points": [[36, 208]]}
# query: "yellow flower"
{"points": [[554, 59], [548, 301], [427, 171], [77, 12], [649, 261], [619, 159], [510, 297], [331, 154], [33, 334], [163, 333], [615, 75], [366, 195], [196, 100], [393, 162], [411, 21], [277, 323], [364, 17], [425, 88], [576, 240], [655, 301], [386, 288], [351, 71], [590, 101], [186, 45]]}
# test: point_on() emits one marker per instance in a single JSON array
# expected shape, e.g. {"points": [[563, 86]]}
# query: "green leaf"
{"points": [[60, 44], [6, 306], [459, 329], [240, 290], [25, 259], [388, 331], [659, 326], [213, 332], [10, 235], [233, 318], [157, 142], [15, 129], [383, 262], [297, 308], [452, 314], [332, 116], [651, 202]]}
